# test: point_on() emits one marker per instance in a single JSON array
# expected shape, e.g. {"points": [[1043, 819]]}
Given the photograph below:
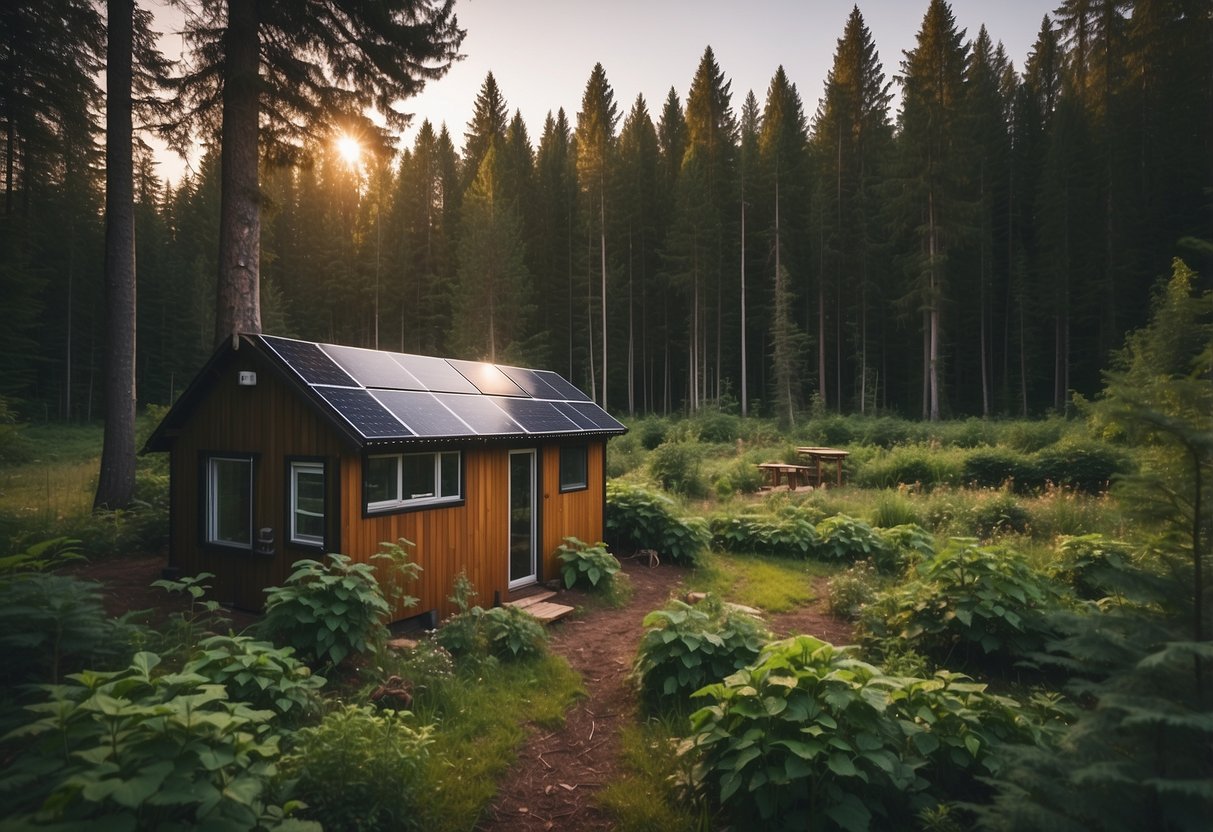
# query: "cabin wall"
{"points": [[572, 513]]}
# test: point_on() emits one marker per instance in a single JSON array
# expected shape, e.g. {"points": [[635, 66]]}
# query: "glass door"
{"points": [[522, 518]]}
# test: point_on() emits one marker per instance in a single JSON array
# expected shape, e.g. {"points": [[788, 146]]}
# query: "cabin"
{"points": [[283, 449]]}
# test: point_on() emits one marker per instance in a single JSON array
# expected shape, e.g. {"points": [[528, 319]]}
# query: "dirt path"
{"points": [[553, 783]]}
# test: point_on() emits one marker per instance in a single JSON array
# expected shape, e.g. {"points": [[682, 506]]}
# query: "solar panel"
{"points": [[371, 368], [306, 359], [600, 418], [360, 409], [573, 413], [536, 416], [423, 413], [437, 375], [530, 381], [486, 418], [488, 378], [567, 391]]}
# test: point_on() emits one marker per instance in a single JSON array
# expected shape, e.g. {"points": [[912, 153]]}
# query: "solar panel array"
{"points": [[389, 396]]}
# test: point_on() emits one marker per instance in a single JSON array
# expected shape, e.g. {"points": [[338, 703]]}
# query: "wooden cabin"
{"points": [[283, 449]]}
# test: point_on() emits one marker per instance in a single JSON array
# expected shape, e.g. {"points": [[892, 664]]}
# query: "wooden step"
{"points": [[547, 611], [531, 600]]}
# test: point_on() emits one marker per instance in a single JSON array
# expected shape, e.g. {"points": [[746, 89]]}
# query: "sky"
{"points": [[541, 52]]}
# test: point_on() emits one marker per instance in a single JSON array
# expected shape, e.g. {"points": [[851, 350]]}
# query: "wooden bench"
{"points": [[782, 473], [820, 456]]}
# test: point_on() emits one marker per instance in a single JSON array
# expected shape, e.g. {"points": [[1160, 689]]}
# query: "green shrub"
{"points": [[14, 447], [1084, 466], [327, 611], [848, 592], [718, 428], [637, 518], [739, 477], [968, 597], [1095, 567], [51, 625], [919, 465], [790, 534], [1029, 436], [686, 647], [676, 467], [513, 633], [809, 737], [586, 564], [910, 544], [269, 678], [624, 454], [996, 467], [135, 749], [844, 539], [652, 432], [885, 432], [828, 431], [999, 515], [361, 769]]}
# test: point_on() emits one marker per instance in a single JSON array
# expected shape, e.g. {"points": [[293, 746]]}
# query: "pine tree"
{"points": [[671, 143], [747, 165], [488, 126], [557, 196]]}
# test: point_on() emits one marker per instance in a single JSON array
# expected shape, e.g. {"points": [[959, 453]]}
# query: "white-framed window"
{"points": [[573, 468], [229, 501], [307, 503], [394, 481]]}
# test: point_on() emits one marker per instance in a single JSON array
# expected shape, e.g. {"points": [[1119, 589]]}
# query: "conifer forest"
{"points": [[978, 247]]}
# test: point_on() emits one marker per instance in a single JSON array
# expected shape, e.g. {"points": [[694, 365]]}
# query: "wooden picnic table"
{"points": [[790, 474], [818, 456]]}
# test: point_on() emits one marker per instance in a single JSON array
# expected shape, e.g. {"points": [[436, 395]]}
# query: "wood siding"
{"points": [[273, 422]]}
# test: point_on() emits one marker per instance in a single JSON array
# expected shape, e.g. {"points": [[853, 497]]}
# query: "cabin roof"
{"points": [[378, 397]]}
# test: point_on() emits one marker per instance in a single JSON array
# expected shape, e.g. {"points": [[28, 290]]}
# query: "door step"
{"points": [[542, 607]]}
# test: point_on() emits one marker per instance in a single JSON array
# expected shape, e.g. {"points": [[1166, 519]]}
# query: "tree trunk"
{"points": [[237, 297], [602, 249], [116, 483], [745, 399]]}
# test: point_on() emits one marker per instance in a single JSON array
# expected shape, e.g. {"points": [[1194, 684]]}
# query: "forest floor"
{"points": [[554, 781]]}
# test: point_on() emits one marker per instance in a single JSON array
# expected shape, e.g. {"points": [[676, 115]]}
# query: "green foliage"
{"points": [[637, 518], [741, 476], [137, 749], [327, 611], [844, 539], [848, 592], [968, 597], [810, 737], [513, 633], [361, 769], [201, 614], [268, 678], [789, 534], [461, 633], [652, 432], [645, 796], [893, 508], [676, 467], [1085, 466], [52, 624], [999, 515], [996, 467], [917, 465], [910, 544], [41, 556], [1095, 567], [14, 447], [685, 647], [583, 563]]}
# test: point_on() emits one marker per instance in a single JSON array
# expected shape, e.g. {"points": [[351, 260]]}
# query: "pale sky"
{"points": [[542, 51]]}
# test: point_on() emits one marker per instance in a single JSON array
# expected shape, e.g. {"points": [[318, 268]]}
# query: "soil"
{"points": [[557, 775]]}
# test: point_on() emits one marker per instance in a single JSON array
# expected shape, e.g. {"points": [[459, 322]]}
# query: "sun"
{"points": [[349, 149]]}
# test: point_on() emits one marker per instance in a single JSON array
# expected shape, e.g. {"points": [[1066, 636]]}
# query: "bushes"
{"points": [[996, 467], [965, 598], [845, 539], [256, 672], [848, 592], [685, 647], [1084, 466], [998, 515], [676, 467], [791, 534], [809, 737], [637, 518], [584, 564], [361, 768], [328, 611], [477, 634], [921, 465]]}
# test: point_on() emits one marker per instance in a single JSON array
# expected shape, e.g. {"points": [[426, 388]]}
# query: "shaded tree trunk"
{"points": [[116, 483]]}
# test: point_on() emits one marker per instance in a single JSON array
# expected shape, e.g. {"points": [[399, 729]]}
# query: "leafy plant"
{"points": [[845, 539], [685, 647], [909, 543], [327, 611], [810, 737], [41, 556], [968, 597], [137, 749], [676, 467], [1085, 466], [361, 768], [461, 633], [583, 563], [513, 633], [200, 615], [1094, 566], [848, 592], [791, 534], [269, 678], [637, 518], [999, 515]]}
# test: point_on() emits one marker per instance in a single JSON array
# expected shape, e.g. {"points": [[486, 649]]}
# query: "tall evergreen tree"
{"points": [[487, 127], [747, 165], [556, 178]]}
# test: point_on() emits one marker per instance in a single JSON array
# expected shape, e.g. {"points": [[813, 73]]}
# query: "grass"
{"points": [[481, 720], [644, 798], [770, 585], [58, 481]]}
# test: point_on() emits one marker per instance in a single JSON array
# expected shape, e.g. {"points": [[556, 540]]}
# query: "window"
{"points": [[408, 480], [307, 503], [229, 501], [573, 468]]}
